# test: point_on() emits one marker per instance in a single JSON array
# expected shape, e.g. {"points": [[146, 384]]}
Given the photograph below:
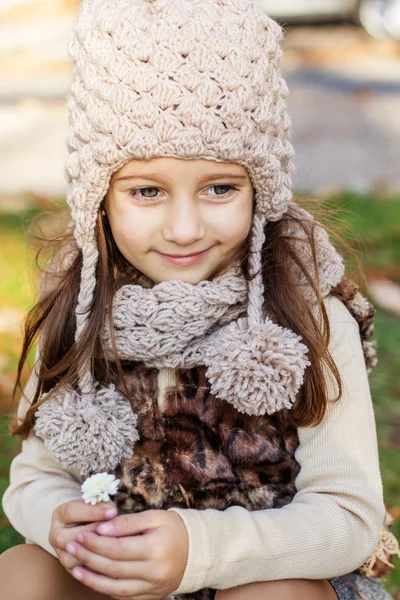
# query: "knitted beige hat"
{"points": [[187, 79]]}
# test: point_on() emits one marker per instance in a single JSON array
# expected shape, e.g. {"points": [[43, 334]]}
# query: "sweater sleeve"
{"points": [[332, 524], [37, 486]]}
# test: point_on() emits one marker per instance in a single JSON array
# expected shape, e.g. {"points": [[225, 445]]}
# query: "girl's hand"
{"points": [[71, 518], [141, 555]]}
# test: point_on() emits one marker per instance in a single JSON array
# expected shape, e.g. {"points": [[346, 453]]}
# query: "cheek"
{"points": [[235, 228], [131, 231]]}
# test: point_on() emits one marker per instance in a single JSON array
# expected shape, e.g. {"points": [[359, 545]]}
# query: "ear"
{"points": [[103, 210]]}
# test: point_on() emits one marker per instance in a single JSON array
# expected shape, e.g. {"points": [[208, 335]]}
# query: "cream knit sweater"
{"points": [[330, 528]]}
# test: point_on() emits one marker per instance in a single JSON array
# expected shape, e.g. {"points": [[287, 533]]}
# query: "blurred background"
{"points": [[342, 65]]}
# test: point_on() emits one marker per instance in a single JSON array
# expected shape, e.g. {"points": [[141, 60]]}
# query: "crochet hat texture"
{"points": [[187, 79]]}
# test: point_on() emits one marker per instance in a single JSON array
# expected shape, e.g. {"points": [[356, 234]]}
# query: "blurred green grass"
{"points": [[370, 225]]}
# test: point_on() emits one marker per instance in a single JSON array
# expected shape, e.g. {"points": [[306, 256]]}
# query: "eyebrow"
{"points": [[200, 179]]}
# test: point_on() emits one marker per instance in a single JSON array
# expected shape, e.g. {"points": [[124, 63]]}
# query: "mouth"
{"points": [[185, 259], [184, 255]]}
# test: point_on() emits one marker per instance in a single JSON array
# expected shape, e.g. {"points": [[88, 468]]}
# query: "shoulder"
{"points": [[346, 349], [339, 316], [335, 308], [345, 343]]}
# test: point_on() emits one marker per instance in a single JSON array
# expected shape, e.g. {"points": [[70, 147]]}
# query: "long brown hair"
{"points": [[53, 316]]}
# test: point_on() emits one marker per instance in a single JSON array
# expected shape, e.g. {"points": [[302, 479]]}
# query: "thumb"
{"points": [[131, 524], [78, 512]]}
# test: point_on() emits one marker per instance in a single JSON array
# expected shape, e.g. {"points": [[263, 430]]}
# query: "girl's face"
{"points": [[169, 206]]}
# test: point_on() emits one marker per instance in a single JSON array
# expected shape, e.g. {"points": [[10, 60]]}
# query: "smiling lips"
{"points": [[188, 259]]}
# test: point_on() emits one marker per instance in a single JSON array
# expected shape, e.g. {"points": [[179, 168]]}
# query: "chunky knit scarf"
{"points": [[171, 324], [257, 367]]}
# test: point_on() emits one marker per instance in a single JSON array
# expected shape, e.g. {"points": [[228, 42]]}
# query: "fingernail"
{"points": [[71, 549], [77, 574], [105, 528], [80, 537], [111, 512]]}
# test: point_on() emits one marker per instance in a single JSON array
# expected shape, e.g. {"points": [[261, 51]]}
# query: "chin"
{"points": [[185, 275], [191, 279]]}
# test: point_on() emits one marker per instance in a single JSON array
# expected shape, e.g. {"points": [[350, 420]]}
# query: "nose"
{"points": [[183, 223]]}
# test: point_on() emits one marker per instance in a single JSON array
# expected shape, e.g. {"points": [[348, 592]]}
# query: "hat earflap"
{"points": [[94, 427], [253, 363]]}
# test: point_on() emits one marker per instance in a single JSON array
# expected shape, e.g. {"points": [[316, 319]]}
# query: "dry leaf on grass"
{"points": [[386, 294]]}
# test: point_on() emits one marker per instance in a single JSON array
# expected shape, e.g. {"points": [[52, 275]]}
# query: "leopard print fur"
{"points": [[199, 452]]}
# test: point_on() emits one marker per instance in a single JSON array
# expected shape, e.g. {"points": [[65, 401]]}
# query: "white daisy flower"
{"points": [[99, 488]]}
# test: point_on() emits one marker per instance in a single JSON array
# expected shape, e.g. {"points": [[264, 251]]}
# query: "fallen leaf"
{"points": [[386, 294]]}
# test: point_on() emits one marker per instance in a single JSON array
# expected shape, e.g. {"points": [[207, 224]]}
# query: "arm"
{"points": [[331, 527], [38, 485]]}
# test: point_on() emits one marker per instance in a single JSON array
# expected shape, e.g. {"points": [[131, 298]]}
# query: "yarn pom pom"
{"points": [[89, 432], [258, 370]]}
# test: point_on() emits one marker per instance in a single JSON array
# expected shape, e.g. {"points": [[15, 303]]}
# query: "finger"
{"points": [[67, 560], [130, 524], [110, 587], [60, 535], [77, 511], [104, 565], [122, 548]]}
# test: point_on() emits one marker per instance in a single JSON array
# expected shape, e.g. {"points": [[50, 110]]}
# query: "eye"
{"points": [[144, 190], [222, 189]]}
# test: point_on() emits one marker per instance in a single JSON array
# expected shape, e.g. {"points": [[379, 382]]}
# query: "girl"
{"points": [[198, 338]]}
